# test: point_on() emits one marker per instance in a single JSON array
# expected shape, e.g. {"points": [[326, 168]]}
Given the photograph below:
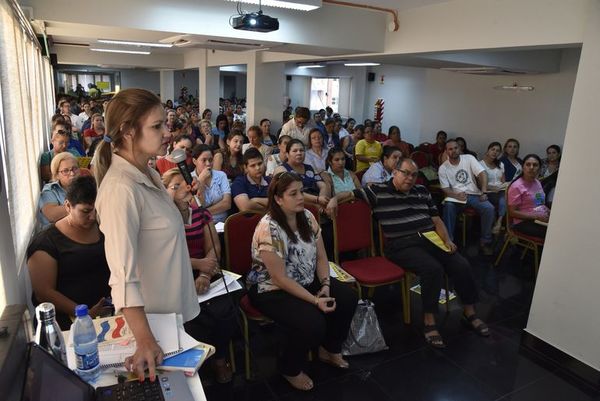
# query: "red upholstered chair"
{"points": [[421, 159], [468, 212], [526, 241], [238, 231], [352, 231], [314, 210], [359, 174]]}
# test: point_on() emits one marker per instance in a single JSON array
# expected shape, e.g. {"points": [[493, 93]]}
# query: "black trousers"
{"points": [[531, 228], [216, 323], [306, 327], [421, 257]]}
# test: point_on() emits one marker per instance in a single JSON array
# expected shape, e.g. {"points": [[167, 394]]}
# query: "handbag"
{"points": [[364, 336]]}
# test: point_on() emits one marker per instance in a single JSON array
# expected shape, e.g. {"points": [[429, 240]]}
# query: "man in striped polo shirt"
{"points": [[408, 217]]}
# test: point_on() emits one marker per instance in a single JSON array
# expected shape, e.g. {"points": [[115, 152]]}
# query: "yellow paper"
{"points": [[436, 240]]}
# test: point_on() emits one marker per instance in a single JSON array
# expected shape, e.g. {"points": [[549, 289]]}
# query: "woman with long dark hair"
{"points": [[290, 282], [229, 160], [510, 159], [494, 170]]}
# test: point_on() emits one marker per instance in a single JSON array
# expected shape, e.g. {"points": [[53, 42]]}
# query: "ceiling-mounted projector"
{"points": [[257, 22]]}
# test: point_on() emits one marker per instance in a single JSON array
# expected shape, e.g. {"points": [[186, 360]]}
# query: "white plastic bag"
{"points": [[364, 336]]}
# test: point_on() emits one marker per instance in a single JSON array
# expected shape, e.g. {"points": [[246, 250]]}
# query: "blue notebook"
{"points": [[188, 361]]}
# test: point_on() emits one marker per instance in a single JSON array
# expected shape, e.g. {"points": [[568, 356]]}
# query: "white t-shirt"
{"points": [[461, 177], [494, 175]]}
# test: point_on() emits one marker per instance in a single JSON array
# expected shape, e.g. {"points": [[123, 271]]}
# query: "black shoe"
{"points": [[482, 329], [487, 250], [436, 341]]}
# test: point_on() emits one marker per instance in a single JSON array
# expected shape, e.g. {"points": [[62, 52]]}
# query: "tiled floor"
{"points": [[470, 368]]}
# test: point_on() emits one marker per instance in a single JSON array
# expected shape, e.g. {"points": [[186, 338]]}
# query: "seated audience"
{"points": [[494, 170], [349, 142], [318, 122], [382, 170], [405, 211], [249, 191], [216, 322], [267, 138], [166, 163], [331, 138], [290, 283], [64, 168], [221, 130], [345, 185], [527, 201], [229, 160], [437, 148], [377, 134], [278, 159], [66, 261], [60, 140], [214, 191], [510, 159], [462, 146], [255, 138], [296, 127], [340, 130], [315, 189], [95, 132], [367, 151], [207, 114], [395, 140], [459, 177], [551, 163], [316, 154], [206, 134]]}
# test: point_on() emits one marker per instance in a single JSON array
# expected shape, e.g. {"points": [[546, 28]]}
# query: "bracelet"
{"points": [[206, 276]]}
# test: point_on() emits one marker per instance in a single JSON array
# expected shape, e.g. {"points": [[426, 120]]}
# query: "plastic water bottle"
{"points": [[48, 334], [86, 345]]}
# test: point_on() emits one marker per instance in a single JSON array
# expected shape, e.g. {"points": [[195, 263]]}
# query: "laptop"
{"points": [[46, 379]]}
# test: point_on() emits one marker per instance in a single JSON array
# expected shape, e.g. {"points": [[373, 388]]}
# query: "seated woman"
{"points": [[526, 200], [213, 190], [64, 169], [255, 138], [166, 163], [95, 132], [331, 137], [494, 170], [510, 159], [290, 282], [316, 154], [382, 170], [346, 185], [551, 163], [60, 142], [349, 142], [205, 136], [230, 160], [462, 145], [216, 322], [66, 261], [280, 157], [249, 191], [367, 151], [220, 131], [316, 191], [394, 139]]}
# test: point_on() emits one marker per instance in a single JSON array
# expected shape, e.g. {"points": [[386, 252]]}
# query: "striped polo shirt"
{"points": [[194, 232], [402, 214]]}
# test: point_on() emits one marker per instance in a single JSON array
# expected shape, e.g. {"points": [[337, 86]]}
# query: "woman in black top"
{"points": [[66, 261]]}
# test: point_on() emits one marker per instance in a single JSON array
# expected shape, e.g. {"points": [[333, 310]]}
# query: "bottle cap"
{"points": [[81, 310], [45, 311]]}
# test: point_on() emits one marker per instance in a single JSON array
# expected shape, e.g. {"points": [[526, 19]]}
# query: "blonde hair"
{"points": [[123, 113], [56, 160], [204, 121], [168, 176]]}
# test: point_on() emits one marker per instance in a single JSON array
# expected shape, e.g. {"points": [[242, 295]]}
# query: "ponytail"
{"points": [[103, 158]]}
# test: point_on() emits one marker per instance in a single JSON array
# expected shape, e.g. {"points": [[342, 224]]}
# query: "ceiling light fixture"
{"points": [[131, 43], [300, 5], [95, 49], [515, 87], [361, 64], [311, 66]]}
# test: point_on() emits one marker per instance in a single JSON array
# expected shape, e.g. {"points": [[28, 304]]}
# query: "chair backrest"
{"points": [[359, 174], [315, 212], [420, 158], [352, 228], [239, 230]]}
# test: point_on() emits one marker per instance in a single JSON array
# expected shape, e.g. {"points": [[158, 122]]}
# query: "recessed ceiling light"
{"points": [[301, 5], [94, 49], [311, 66], [361, 64], [132, 43]]}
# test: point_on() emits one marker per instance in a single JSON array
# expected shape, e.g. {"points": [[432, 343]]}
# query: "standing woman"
{"points": [[290, 282], [145, 242], [510, 159]]}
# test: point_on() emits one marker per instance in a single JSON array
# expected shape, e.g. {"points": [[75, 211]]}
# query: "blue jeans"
{"points": [[497, 199], [486, 212]]}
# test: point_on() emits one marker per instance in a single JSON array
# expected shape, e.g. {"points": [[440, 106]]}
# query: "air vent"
{"points": [[487, 71]]}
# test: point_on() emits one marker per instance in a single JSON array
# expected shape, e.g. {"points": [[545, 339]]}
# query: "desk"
{"points": [[109, 377]]}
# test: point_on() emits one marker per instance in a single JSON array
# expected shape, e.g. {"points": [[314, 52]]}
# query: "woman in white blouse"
{"points": [[494, 169], [146, 249], [316, 154]]}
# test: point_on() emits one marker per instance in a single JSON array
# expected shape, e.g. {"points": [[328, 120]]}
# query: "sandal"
{"points": [[223, 371], [331, 359], [482, 329], [300, 382], [436, 341]]}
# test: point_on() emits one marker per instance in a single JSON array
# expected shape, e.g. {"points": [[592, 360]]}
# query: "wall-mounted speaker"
{"points": [[371, 76], [288, 77]]}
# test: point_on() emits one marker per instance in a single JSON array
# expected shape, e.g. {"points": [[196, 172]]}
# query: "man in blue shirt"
{"points": [[249, 191]]}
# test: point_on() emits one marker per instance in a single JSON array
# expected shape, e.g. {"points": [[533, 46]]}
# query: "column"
{"points": [[167, 85], [265, 91]]}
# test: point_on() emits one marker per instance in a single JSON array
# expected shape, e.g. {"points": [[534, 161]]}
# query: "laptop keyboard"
{"points": [[136, 391]]}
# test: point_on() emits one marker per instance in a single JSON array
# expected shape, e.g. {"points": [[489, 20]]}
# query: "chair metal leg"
{"points": [[499, 258], [359, 290], [536, 259], [231, 356], [405, 288], [524, 252], [464, 230], [246, 346], [371, 292]]}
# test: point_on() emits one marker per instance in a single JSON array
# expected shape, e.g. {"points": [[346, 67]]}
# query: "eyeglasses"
{"points": [[409, 174], [68, 171]]}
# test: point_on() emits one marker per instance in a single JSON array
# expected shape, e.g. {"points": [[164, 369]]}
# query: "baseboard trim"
{"points": [[566, 364]]}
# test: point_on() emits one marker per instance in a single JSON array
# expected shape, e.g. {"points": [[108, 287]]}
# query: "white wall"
{"points": [[564, 311], [298, 90], [239, 84], [149, 80], [423, 101], [188, 78]]}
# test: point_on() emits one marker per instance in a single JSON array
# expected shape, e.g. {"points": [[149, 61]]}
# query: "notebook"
{"points": [[46, 379]]}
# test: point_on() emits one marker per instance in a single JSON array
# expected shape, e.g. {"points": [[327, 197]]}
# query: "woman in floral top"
{"points": [[290, 282]]}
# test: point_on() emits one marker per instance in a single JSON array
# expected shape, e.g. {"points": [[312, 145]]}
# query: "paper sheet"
{"points": [[218, 287]]}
